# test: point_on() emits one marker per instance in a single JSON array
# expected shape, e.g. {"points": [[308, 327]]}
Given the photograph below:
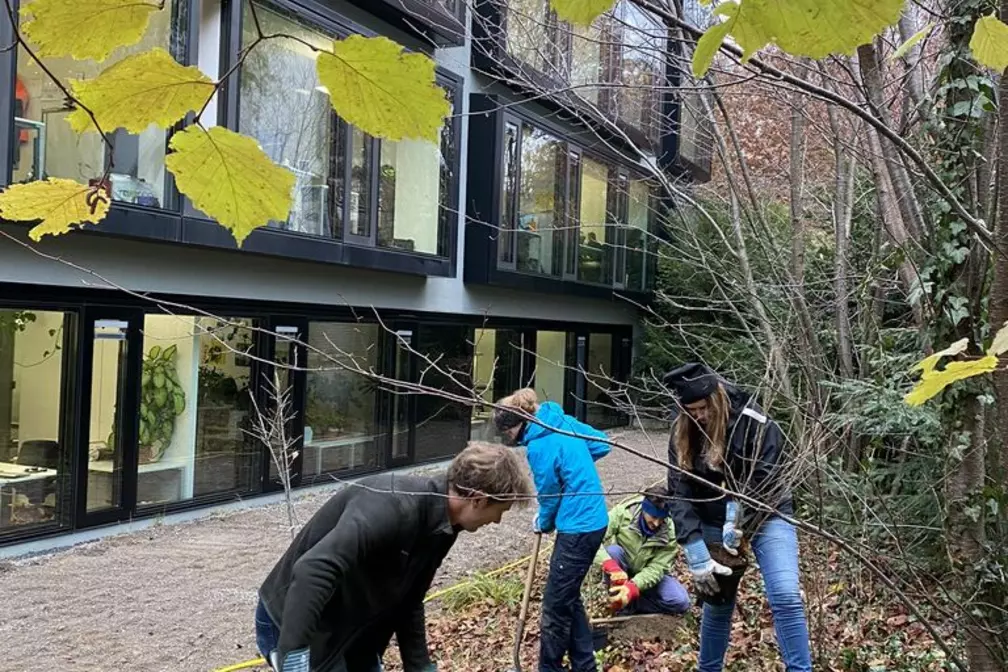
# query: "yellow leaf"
{"points": [[58, 203], [85, 29], [387, 93], [230, 178], [989, 43], [902, 50], [813, 28], [707, 47], [933, 381], [928, 364], [1000, 344], [581, 12], [149, 88]]}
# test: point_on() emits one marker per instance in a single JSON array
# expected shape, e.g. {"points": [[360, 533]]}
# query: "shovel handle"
{"points": [[529, 578]]}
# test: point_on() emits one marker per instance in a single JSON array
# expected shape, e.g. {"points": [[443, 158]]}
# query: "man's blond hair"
{"points": [[490, 470]]}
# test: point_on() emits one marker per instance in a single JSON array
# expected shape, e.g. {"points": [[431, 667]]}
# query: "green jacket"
{"points": [[649, 559]]}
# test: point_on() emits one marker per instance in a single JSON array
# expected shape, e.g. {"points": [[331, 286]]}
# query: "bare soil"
{"points": [[181, 597]]}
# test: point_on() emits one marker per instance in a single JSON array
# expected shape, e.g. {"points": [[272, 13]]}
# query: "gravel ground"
{"points": [[180, 597]]}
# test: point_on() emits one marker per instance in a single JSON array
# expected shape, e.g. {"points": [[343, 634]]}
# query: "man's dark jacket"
{"points": [[754, 456], [358, 571]]}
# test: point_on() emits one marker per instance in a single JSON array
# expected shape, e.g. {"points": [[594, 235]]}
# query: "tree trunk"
{"points": [[915, 81], [899, 176], [797, 175], [892, 219], [999, 286]]}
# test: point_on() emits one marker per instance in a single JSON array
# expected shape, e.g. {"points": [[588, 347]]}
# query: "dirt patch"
{"points": [[181, 597]]}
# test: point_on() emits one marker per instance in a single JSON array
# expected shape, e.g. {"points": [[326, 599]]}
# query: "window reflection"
{"points": [[46, 146], [31, 413], [538, 201]]}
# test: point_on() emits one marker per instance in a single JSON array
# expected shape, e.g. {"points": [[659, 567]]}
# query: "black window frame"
{"points": [[445, 27], [181, 224], [490, 54], [484, 253]]}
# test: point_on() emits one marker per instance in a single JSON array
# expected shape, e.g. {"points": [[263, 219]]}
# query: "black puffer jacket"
{"points": [[754, 447], [358, 571]]}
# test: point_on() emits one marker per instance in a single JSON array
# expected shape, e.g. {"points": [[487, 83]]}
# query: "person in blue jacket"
{"points": [[571, 503]]}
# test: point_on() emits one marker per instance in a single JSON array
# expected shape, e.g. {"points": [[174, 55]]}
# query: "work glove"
{"points": [[731, 534], [294, 661], [537, 527], [616, 575], [622, 595], [703, 568]]}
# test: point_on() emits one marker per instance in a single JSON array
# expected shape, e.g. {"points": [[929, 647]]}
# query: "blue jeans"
{"points": [[775, 545], [668, 597], [565, 627], [268, 635]]}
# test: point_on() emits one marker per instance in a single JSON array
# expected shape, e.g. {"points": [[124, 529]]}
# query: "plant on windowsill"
{"points": [[162, 401]]}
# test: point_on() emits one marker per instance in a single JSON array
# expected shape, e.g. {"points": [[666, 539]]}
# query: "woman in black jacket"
{"points": [[721, 435]]}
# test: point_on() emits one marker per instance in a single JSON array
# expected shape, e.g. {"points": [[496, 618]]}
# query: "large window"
{"points": [[600, 407], [393, 195], [566, 213], [340, 401], [194, 409], [443, 425], [616, 64], [46, 146], [550, 370], [593, 253], [32, 452], [537, 214]]}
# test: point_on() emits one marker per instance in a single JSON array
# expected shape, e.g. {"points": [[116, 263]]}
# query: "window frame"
{"points": [[617, 208], [334, 26], [491, 54]]}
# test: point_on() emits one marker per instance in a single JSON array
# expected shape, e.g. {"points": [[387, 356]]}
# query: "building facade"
{"points": [[138, 356]]}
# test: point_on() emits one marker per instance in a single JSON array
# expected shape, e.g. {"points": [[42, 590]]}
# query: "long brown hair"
{"points": [[691, 440]]}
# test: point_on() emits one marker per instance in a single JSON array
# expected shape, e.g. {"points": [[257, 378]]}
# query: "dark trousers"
{"points": [[565, 628]]}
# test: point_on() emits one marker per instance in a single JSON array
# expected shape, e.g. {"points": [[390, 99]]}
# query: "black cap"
{"points": [[691, 382]]}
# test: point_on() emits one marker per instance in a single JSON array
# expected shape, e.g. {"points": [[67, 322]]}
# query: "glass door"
{"points": [[400, 402], [110, 376], [279, 423]]}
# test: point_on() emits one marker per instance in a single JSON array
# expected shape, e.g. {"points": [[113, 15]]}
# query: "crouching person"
{"points": [[637, 556], [358, 571]]}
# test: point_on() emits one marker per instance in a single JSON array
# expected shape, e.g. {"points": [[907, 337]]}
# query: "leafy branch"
{"points": [[372, 83]]}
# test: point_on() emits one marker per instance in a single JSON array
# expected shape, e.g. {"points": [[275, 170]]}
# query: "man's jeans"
{"points": [[565, 627], [775, 545], [268, 635], [668, 597]]}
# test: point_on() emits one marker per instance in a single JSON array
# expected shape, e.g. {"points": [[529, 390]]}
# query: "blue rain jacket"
{"points": [[563, 464]]}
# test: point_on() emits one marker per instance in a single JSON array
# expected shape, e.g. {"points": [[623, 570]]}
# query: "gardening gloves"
{"points": [[622, 595], [295, 661], [731, 535], [703, 568], [614, 572]]}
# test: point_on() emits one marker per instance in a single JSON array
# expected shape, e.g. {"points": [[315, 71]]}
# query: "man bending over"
{"points": [[358, 571]]}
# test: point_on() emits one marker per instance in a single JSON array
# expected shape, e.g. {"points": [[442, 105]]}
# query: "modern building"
{"points": [[133, 354]]}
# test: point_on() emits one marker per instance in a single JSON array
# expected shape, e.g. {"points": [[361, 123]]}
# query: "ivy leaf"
{"points": [[85, 29], [581, 12], [904, 48], [148, 88], [382, 90], [989, 43], [934, 381], [230, 178], [708, 45], [813, 28], [58, 203]]}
